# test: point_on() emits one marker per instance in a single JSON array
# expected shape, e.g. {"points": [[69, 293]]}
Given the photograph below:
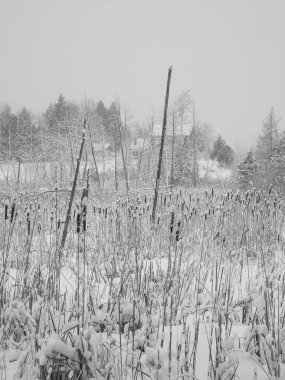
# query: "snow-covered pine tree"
{"points": [[24, 142], [247, 170], [266, 151], [222, 152], [268, 140], [277, 165]]}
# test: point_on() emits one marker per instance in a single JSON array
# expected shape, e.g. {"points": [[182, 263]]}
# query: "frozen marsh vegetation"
{"points": [[198, 294]]}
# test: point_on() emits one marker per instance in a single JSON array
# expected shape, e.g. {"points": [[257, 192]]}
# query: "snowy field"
{"points": [[48, 172], [199, 294]]}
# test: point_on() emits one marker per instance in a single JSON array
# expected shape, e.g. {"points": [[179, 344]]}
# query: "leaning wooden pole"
{"points": [[122, 148], [172, 147], [194, 150], [68, 214], [116, 157], [161, 145], [150, 150], [92, 148], [94, 158]]}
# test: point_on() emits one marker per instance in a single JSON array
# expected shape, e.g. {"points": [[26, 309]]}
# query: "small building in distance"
{"points": [[138, 144], [100, 148], [180, 133]]}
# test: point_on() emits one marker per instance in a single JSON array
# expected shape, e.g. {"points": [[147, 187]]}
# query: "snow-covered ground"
{"points": [[33, 172], [212, 170], [198, 295]]}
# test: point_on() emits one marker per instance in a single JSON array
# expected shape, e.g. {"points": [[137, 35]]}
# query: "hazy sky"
{"points": [[229, 53]]}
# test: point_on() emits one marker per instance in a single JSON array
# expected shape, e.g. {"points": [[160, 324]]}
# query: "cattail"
{"points": [[217, 235], [178, 230], [6, 210], [171, 221], [78, 221], [12, 212], [28, 223], [84, 208]]}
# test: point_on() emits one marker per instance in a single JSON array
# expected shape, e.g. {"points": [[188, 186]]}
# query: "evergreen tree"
{"points": [[268, 140], [25, 142], [59, 115], [247, 170], [269, 152], [8, 129], [222, 152], [276, 174], [60, 110], [183, 110], [102, 112]]}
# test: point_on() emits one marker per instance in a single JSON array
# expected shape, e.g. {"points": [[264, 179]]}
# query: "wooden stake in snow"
{"points": [[172, 147], [194, 149], [68, 214], [92, 148], [161, 145], [119, 122]]}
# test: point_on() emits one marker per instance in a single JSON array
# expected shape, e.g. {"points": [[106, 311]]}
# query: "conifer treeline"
{"points": [[265, 165], [55, 135], [27, 137]]}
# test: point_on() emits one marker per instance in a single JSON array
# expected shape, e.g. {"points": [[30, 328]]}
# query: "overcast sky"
{"points": [[229, 53]]}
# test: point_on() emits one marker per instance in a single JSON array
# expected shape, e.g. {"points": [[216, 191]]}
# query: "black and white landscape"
{"points": [[142, 181]]}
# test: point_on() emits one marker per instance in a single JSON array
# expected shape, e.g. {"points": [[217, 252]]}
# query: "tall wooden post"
{"points": [[194, 150], [172, 147], [161, 144]]}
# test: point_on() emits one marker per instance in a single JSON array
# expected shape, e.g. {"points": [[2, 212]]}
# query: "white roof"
{"points": [[100, 146], [140, 144], [184, 131]]}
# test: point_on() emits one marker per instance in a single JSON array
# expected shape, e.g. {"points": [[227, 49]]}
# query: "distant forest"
{"points": [[55, 136]]}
